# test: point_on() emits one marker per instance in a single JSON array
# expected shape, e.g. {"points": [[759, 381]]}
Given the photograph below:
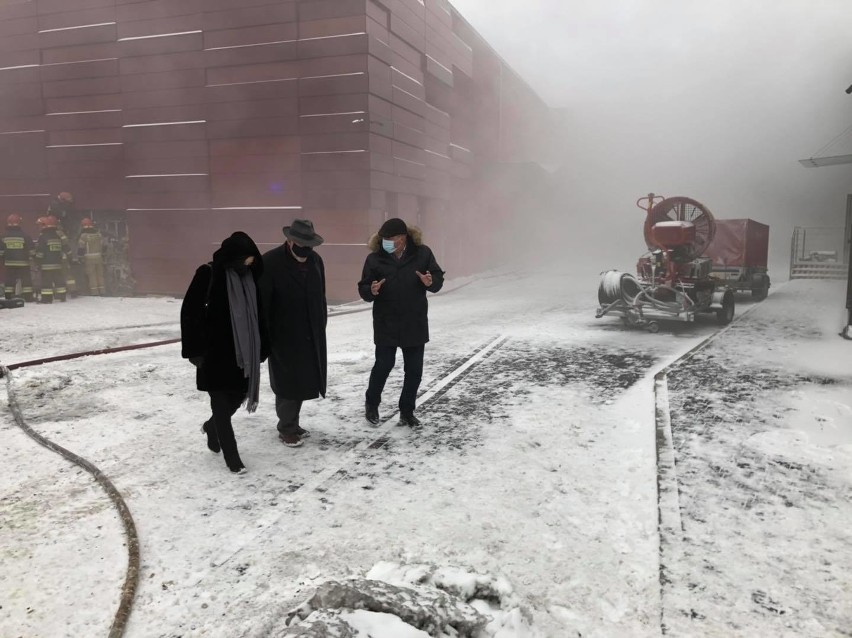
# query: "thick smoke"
{"points": [[715, 101]]}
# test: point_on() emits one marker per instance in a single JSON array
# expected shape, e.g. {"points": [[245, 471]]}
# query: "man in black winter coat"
{"points": [[397, 274], [224, 336], [293, 290]]}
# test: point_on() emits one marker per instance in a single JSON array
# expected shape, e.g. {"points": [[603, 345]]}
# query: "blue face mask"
{"points": [[388, 245]]}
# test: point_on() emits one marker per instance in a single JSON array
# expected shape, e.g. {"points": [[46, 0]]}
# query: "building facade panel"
{"points": [[18, 26], [183, 120]]}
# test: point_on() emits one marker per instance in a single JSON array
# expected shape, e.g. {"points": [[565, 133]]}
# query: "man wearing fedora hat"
{"points": [[293, 293], [397, 273]]}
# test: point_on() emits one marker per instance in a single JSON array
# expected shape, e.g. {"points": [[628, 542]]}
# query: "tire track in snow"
{"points": [[385, 432], [669, 515]]}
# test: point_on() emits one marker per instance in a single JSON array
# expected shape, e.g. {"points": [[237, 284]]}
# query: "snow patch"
{"points": [[410, 601]]}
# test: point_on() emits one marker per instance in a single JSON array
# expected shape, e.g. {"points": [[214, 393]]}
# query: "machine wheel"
{"points": [[725, 314], [653, 327], [759, 294]]}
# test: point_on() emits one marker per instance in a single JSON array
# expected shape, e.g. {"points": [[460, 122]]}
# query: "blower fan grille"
{"points": [[682, 209]]}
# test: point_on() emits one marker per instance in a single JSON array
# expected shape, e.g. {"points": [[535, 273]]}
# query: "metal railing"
{"points": [[819, 253]]}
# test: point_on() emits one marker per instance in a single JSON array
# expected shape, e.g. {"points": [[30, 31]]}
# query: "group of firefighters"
{"points": [[51, 260]]}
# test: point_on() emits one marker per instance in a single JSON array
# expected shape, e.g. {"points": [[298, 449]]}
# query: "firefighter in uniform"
{"points": [[90, 248], [62, 209], [69, 260], [50, 252], [16, 251]]}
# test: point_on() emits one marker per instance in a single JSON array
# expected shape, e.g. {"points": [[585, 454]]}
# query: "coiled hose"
{"points": [[618, 287]]}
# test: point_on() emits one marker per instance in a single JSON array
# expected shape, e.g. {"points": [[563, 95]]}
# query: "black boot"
{"points": [[212, 439], [371, 413], [410, 420], [233, 460], [238, 469]]}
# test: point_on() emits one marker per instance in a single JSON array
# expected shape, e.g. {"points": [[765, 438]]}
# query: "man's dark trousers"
{"points": [[413, 365], [288, 414]]}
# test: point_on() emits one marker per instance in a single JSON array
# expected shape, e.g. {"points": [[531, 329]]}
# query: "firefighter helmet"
{"points": [[51, 222], [41, 222], [13, 220], [87, 223]]}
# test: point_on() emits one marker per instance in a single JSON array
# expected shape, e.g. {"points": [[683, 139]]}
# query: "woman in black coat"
{"points": [[396, 276], [223, 335]]}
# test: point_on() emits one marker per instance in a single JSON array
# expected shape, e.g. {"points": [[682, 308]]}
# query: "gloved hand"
{"points": [[196, 361]]}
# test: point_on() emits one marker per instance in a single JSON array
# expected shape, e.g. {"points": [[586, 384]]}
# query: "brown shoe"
{"points": [[290, 439]]}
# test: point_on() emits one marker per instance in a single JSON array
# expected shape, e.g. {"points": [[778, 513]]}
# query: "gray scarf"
{"points": [[242, 300]]}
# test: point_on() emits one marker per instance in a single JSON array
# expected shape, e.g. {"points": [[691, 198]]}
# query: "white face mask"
{"points": [[388, 245]]}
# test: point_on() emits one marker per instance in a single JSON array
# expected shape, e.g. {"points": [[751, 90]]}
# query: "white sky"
{"points": [[713, 100]]}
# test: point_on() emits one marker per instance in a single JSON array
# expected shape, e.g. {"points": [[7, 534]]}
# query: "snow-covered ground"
{"points": [[762, 425], [527, 499]]}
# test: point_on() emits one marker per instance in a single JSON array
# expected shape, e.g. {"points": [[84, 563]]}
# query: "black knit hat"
{"points": [[393, 227]]}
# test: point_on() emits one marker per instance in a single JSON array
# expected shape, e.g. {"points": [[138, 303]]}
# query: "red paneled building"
{"points": [[187, 119]]}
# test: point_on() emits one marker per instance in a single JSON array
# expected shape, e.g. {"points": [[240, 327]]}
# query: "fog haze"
{"points": [[712, 100]]}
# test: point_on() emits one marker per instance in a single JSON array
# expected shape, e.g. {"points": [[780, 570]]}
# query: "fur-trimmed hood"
{"points": [[415, 235]]}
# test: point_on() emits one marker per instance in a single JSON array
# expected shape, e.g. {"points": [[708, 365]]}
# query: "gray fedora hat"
{"points": [[302, 232]]}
